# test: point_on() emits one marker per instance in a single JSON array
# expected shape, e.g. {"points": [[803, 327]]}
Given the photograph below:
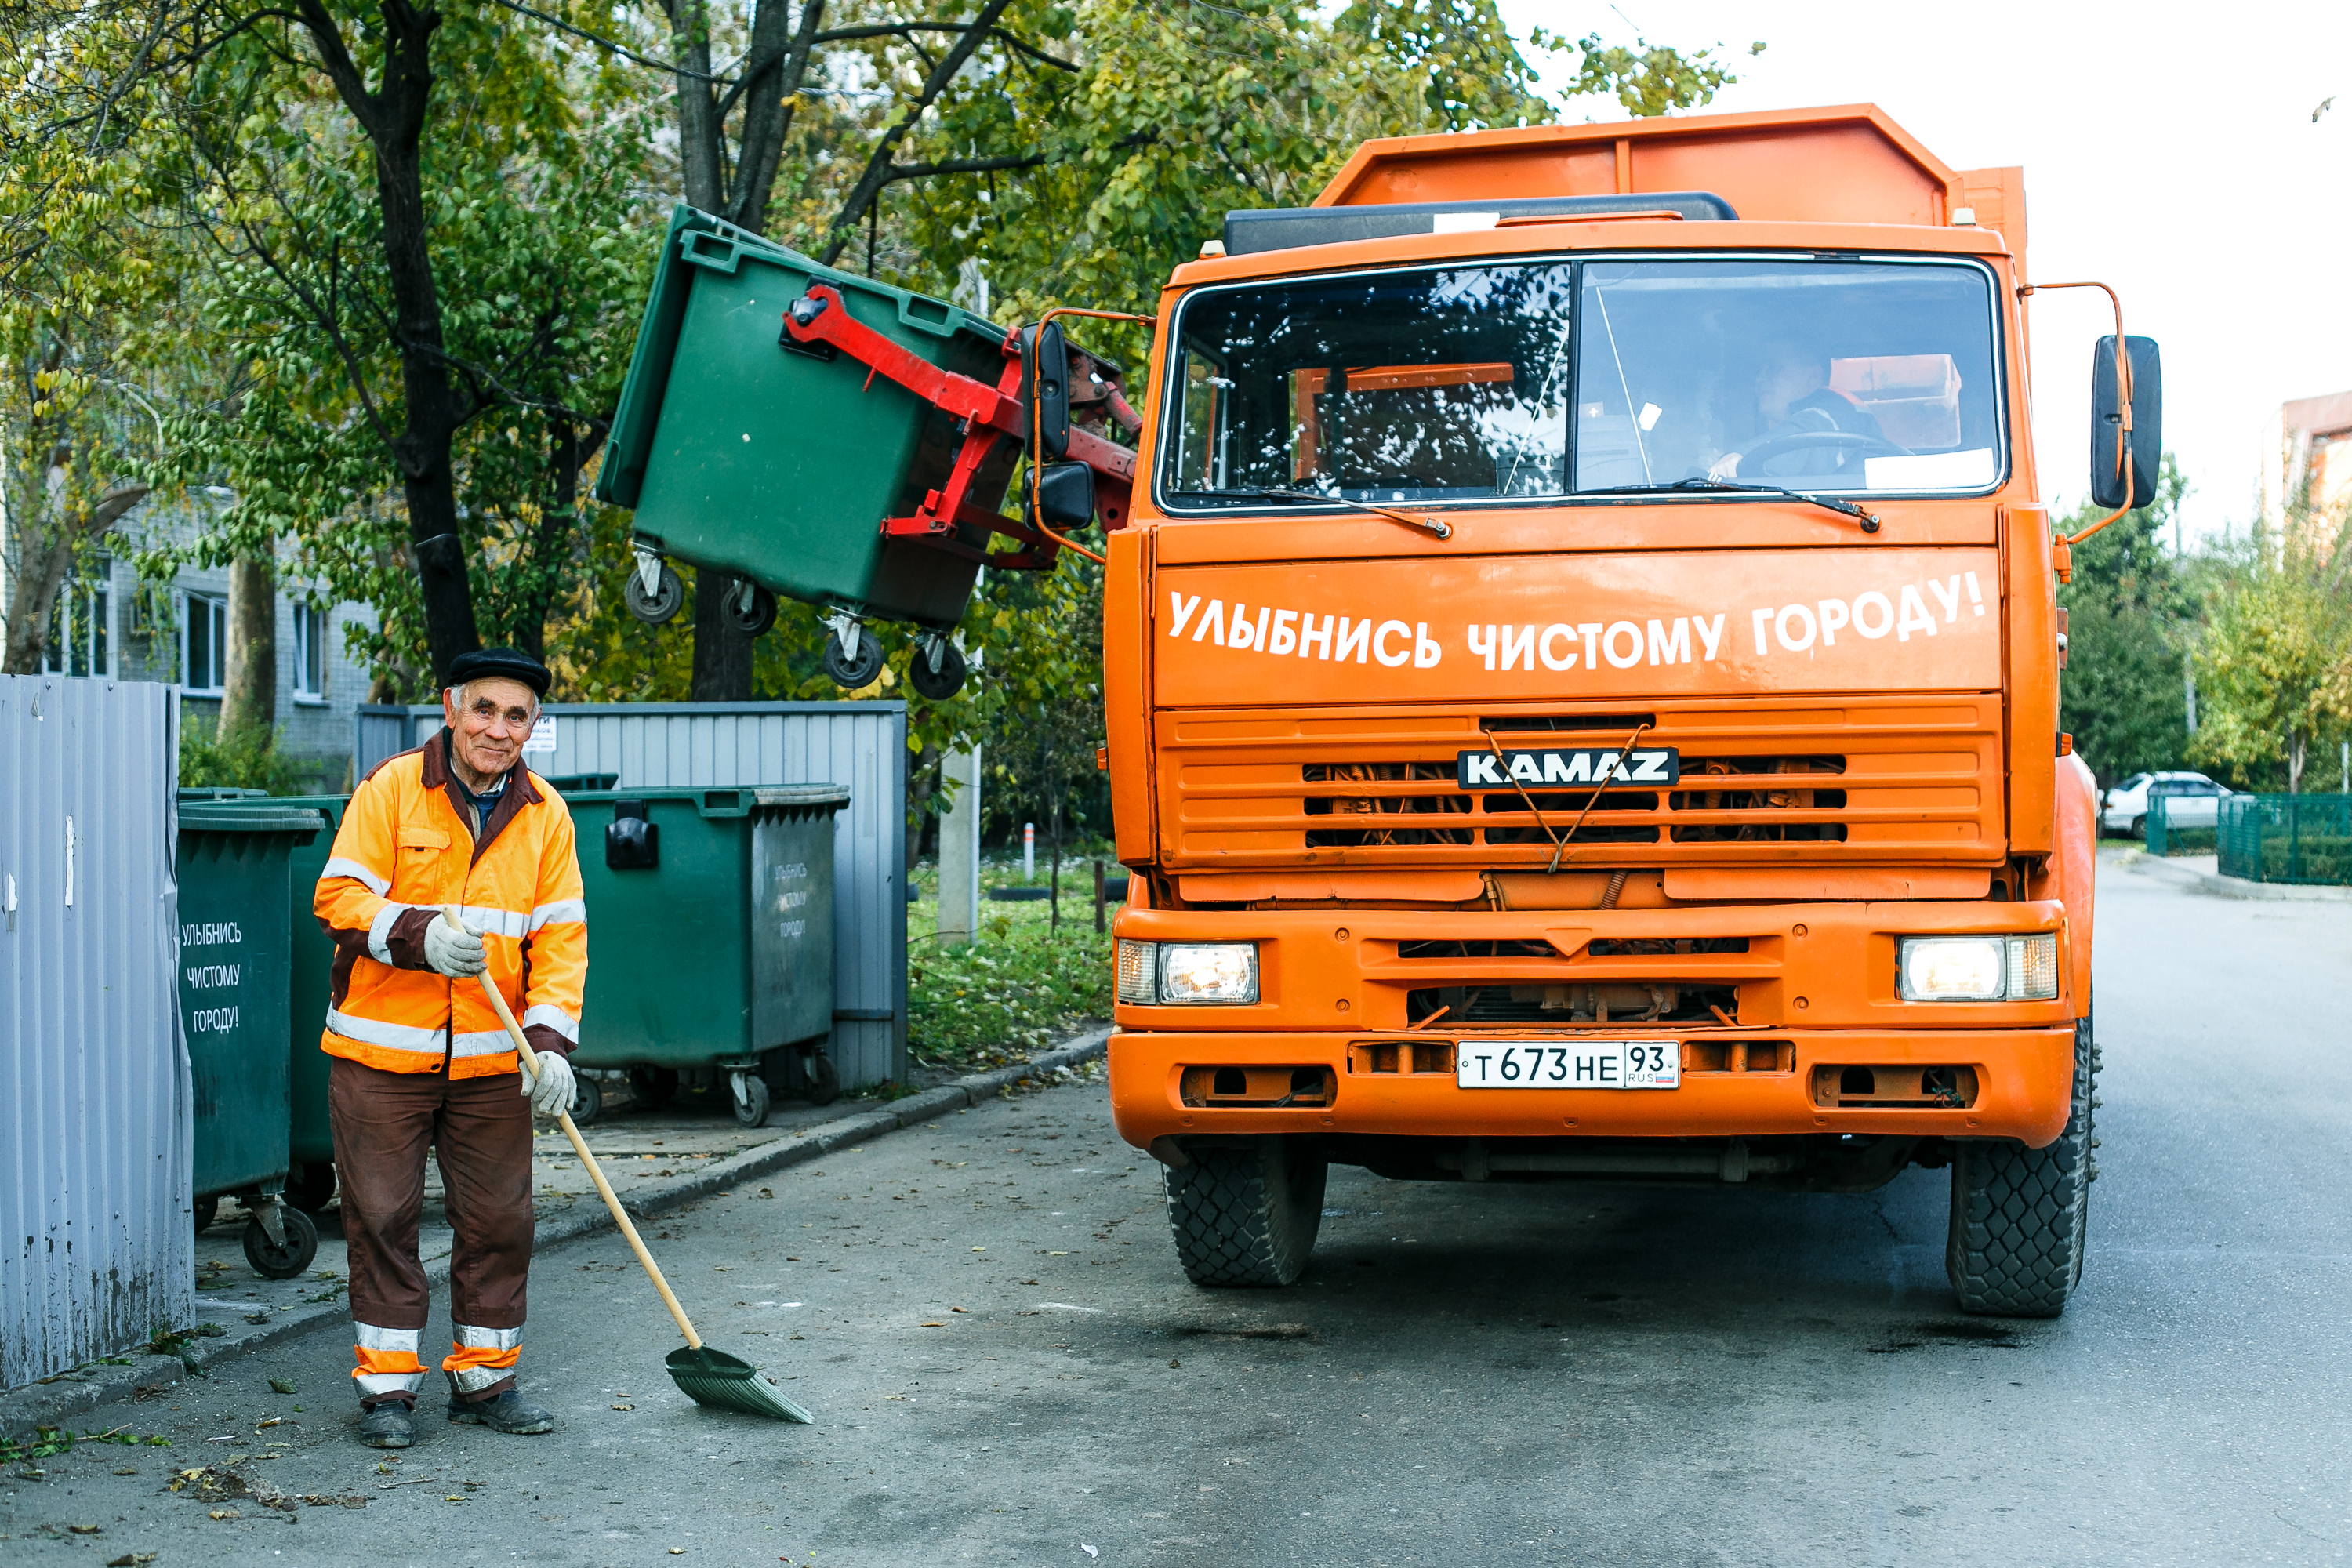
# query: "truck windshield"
{"points": [[1498, 382]]}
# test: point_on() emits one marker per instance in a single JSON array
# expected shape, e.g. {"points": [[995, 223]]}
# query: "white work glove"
{"points": [[553, 1093], [453, 950]]}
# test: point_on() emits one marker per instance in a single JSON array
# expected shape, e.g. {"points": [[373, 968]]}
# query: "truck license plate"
{"points": [[1569, 1064]]}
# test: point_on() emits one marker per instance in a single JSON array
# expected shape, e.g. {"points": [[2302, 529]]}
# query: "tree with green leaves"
{"points": [[2124, 696], [2274, 666]]}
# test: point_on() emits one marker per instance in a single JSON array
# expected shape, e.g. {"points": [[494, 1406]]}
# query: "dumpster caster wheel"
{"points": [[936, 684], [750, 609], [311, 1187], [750, 1098], [853, 674], [206, 1209], [587, 1100], [662, 604], [272, 1261], [823, 1078], [653, 1088]]}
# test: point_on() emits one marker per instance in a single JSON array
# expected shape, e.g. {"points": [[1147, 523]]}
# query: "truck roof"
{"points": [[1844, 165]]}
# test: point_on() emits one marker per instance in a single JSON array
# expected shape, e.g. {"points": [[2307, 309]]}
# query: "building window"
{"points": [[78, 641], [309, 654], [204, 645]]}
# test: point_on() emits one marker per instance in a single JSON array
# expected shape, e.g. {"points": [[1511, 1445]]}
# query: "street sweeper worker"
{"points": [[421, 1059]]}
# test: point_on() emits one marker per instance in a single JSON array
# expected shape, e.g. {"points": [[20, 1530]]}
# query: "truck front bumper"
{"points": [[2019, 1079], [1340, 990]]}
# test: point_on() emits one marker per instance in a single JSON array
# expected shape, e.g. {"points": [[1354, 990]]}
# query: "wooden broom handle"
{"points": [[595, 1173]]}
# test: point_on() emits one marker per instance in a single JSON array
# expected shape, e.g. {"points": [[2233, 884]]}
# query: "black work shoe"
{"points": [[507, 1413], [388, 1426]]}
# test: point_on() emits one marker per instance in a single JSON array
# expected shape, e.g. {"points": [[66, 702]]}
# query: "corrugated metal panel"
{"points": [[95, 1143], [704, 745]]}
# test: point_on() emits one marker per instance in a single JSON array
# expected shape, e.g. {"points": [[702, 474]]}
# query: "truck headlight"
{"points": [[1208, 973], [1977, 968]]}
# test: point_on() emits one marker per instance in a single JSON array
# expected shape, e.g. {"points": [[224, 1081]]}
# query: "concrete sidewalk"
{"points": [[655, 1162], [2202, 874]]}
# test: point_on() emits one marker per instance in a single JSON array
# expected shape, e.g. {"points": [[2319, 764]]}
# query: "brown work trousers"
{"points": [[479, 1128]]}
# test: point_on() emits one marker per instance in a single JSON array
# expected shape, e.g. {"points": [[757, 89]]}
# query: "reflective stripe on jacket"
{"points": [[407, 847]]}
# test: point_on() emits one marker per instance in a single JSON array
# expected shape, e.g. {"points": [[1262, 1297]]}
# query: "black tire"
{"points": [[854, 675], [311, 1188], [2020, 1214], [653, 1088], [751, 1107], [2138, 830], [1246, 1214], [823, 1078], [587, 1098], [282, 1262], [937, 686], [207, 1209], [662, 604], [751, 620]]}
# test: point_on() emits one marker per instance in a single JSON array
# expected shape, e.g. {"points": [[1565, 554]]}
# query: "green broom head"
{"points": [[715, 1378]]}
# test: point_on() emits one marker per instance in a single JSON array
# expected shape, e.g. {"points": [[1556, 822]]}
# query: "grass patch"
{"points": [[1019, 987]]}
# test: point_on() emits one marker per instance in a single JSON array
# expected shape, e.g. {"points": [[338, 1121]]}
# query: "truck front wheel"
{"points": [[1245, 1212], [2019, 1215]]}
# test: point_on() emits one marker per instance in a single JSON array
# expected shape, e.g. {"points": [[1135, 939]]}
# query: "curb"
{"points": [[48, 1404], [2220, 887]]}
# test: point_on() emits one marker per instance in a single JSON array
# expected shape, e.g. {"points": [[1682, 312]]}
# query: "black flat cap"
{"points": [[506, 663]]}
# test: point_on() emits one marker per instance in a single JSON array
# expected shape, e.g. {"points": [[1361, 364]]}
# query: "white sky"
{"points": [[2197, 184]]}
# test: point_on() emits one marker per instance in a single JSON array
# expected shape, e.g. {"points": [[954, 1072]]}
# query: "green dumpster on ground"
{"points": [[709, 941], [744, 451], [236, 899]]}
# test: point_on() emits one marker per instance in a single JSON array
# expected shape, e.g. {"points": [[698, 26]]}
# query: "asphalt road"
{"points": [[1469, 1376]]}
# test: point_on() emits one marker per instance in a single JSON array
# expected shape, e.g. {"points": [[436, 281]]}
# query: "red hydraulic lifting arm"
{"points": [[985, 416]]}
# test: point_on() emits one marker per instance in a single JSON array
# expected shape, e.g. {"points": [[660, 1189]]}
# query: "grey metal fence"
{"points": [[99, 1248], [648, 745]]}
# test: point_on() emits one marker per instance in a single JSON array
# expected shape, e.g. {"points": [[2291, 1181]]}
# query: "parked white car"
{"points": [[2190, 800]]}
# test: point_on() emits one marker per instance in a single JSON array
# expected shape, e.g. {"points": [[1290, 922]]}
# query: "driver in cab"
{"points": [[1795, 399]]}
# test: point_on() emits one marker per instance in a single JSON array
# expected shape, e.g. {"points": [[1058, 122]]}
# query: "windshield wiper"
{"points": [[1269, 492], [1699, 482]]}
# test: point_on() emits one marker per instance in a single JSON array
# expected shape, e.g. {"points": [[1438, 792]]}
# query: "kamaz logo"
{"points": [[1536, 770]]}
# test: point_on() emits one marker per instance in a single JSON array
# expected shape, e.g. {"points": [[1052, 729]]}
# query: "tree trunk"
{"points": [[393, 117], [2294, 758], [250, 686], [45, 558], [723, 656]]}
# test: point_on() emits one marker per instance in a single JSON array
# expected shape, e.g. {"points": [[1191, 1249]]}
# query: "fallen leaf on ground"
{"points": [[128, 1470], [322, 1501], [224, 1513], [624, 1407], [958, 1309], [281, 1385], [931, 1325], [130, 1560], [85, 1529]]}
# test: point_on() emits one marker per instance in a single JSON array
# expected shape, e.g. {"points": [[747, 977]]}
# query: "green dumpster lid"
{"points": [[225, 817], [223, 793], [805, 796]]}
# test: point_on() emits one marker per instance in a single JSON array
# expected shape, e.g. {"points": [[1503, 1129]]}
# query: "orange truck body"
{"points": [[1309, 804]]}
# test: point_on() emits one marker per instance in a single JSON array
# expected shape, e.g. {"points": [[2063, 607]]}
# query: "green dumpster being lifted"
{"points": [[787, 428], [235, 963]]}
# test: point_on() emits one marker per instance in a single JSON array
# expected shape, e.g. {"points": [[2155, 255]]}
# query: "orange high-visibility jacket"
{"points": [[407, 847]]}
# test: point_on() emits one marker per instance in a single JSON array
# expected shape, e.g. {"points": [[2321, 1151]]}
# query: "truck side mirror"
{"points": [[1046, 388], [2124, 468], [1063, 493]]}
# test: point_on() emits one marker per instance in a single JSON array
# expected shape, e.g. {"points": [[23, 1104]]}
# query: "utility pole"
{"points": [[959, 917]]}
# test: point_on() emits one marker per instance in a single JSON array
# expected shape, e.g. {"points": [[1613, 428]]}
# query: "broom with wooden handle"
{"points": [[706, 1376]]}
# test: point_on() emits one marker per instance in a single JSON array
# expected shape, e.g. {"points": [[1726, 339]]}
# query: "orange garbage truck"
{"points": [[1582, 671]]}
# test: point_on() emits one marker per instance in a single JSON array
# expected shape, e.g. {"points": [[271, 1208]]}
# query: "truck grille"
{"points": [[1867, 781]]}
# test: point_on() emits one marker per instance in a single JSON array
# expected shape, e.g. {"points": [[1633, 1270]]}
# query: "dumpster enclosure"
{"points": [[2293, 838], [98, 1249]]}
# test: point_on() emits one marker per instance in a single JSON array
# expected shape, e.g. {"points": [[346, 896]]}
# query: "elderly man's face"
{"points": [[488, 731]]}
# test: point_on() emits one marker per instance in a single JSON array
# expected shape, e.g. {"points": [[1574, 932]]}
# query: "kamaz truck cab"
{"points": [[1582, 676]]}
